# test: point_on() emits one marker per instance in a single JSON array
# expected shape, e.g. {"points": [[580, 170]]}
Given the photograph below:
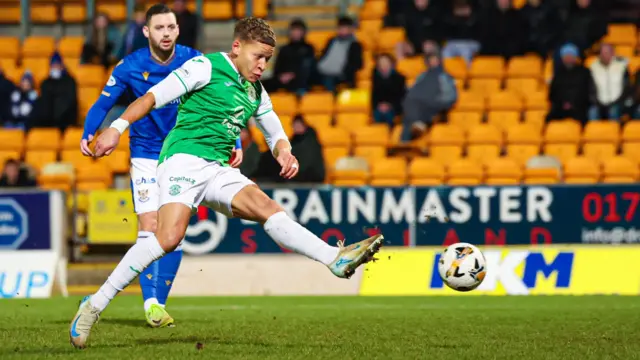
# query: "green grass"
{"points": [[335, 327]]}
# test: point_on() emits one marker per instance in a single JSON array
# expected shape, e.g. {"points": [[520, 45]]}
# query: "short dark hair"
{"points": [[157, 9], [255, 29], [345, 21]]}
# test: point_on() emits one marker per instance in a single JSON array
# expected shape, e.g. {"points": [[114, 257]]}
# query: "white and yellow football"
{"points": [[462, 267]]}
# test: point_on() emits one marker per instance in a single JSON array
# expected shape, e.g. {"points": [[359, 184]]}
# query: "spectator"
{"points": [[612, 85], [584, 26], [6, 90], [422, 24], [188, 24], [308, 151], [341, 58], [389, 87], [395, 13], [251, 158], [571, 87], [434, 92], [102, 43], [23, 100], [13, 175], [134, 38], [461, 30], [503, 30], [294, 63], [543, 23], [635, 107], [58, 103]]}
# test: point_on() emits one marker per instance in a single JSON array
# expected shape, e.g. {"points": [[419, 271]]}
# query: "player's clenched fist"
{"points": [[107, 142], [289, 164]]}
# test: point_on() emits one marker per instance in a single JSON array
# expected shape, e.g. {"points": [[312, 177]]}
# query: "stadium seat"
{"points": [[117, 11], [44, 139], [470, 101], [505, 101], [503, 171], [334, 137], [75, 158], [43, 13], [87, 96], [373, 10], [619, 169], [260, 9], [319, 39], [56, 176], [92, 174], [631, 131], [561, 151], [367, 69], [371, 153], [535, 118], [351, 171], [411, 67], [353, 100], [625, 51], [257, 137], [117, 162], [563, 132], [71, 47], [10, 13], [445, 154], [524, 67], [633, 64], [372, 26], [74, 13], [372, 135], [12, 140], [317, 103], [601, 132], [352, 122], [631, 150], [446, 134], [538, 100], [365, 84], [284, 103], [484, 86], [522, 86], [90, 76], [465, 172], [39, 158], [487, 67], [124, 141], [39, 67], [217, 10], [541, 176], [581, 170], [485, 134], [389, 172], [523, 142], [9, 48], [318, 120], [483, 153], [621, 34], [38, 47], [331, 156], [503, 120], [598, 151], [388, 38], [456, 67], [464, 119], [9, 155], [426, 172]]}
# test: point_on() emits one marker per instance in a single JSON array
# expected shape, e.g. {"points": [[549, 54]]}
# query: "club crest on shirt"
{"points": [[145, 75], [143, 195], [251, 93]]}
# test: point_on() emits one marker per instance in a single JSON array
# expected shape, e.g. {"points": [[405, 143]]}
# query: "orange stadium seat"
{"points": [[352, 122], [426, 172], [9, 48], [353, 100], [38, 46], [332, 154], [334, 137], [599, 151], [581, 170], [116, 11], [484, 86], [541, 176], [601, 132], [505, 101], [74, 13], [39, 158], [464, 119], [503, 171], [470, 101], [371, 153], [87, 96], [43, 13], [619, 169], [634, 64], [389, 172], [217, 10], [631, 131], [56, 176], [535, 118], [10, 13], [523, 142], [388, 38], [367, 40], [631, 150], [117, 162], [372, 135], [524, 67], [12, 140], [487, 67], [456, 67], [260, 9], [563, 132], [465, 172], [485, 141], [284, 103], [318, 120], [94, 176], [621, 34], [446, 143], [70, 46], [411, 67], [625, 51], [349, 176], [373, 10], [9, 155], [317, 103], [367, 69], [503, 120], [536, 100], [372, 26], [44, 139], [90, 76], [71, 138], [562, 152], [75, 158], [522, 86], [319, 39]]}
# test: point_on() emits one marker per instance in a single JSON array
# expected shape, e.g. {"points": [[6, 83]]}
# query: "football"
{"points": [[462, 267]]}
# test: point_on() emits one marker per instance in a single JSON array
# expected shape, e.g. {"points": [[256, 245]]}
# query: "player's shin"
{"points": [[293, 236], [145, 251], [167, 271]]}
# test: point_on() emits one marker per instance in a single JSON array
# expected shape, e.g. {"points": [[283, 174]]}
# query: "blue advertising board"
{"points": [[514, 215], [25, 220]]}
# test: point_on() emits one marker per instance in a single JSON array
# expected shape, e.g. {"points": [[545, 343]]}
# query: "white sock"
{"points": [[149, 302], [145, 251], [293, 236]]}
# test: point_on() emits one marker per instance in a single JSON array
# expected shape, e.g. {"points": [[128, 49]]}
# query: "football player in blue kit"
{"points": [[133, 77]]}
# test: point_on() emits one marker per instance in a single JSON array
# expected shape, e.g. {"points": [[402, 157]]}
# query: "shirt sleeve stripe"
{"points": [[266, 112], [182, 82]]}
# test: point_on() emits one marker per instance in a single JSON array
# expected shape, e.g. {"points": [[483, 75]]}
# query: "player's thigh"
{"points": [[173, 219], [251, 203]]}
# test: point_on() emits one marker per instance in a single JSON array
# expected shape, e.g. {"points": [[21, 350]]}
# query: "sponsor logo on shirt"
{"points": [[182, 179], [111, 81]]}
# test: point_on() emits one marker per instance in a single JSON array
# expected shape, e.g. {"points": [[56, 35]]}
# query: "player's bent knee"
{"points": [[173, 220], [148, 221]]}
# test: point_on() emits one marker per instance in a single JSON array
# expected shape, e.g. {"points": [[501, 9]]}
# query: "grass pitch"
{"points": [[334, 328]]}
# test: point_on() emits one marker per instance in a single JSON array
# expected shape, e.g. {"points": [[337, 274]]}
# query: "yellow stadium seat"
{"points": [[364, 84], [503, 120], [10, 14], [503, 171], [535, 118], [71, 46], [39, 158], [217, 10], [38, 47], [465, 172], [94, 172], [9, 155], [319, 39], [456, 67], [373, 10], [389, 172], [75, 158], [258, 138], [74, 13], [470, 101], [411, 67], [372, 26], [621, 34], [353, 100], [522, 86], [631, 150], [524, 67], [350, 178], [599, 151], [352, 122], [619, 169], [445, 154], [521, 153], [601, 132], [524, 134], [464, 119], [445, 134], [505, 101], [39, 66], [116, 11], [541, 176], [90, 76], [284, 103], [260, 9], [561, 151], [426, 172], [9, 47], [118, 162], [419, 143], [484, 86], [625, 51], [367, 69], [56, 176], [536, 101], [633, 64], [562, 132], [581, 170], [388, 38], [12, 140], [366, 39], [485, 134], [487, 67], [332, 154], [334, 136], [87, 96], [44, 139], [372, 135], [124, 141], [631, 131], [371, 153], [318, 120], [317, 103], [43, 13], [483, 153]]}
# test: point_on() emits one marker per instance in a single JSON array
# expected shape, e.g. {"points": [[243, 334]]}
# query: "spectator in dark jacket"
{"points": [[585, 25], [543, 23], [571, 87], [102, 43], [503, 30], [461, 31], [341, 58], [58, 104], [134, 38], [23, 101], [6, 89], [422, 24], [188, 23], [389, 87], [294, 63], [634, 112], [15, 176], [434, 92]]}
